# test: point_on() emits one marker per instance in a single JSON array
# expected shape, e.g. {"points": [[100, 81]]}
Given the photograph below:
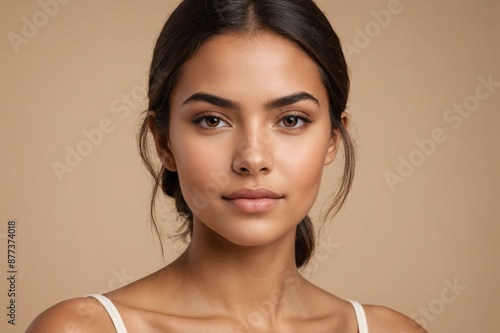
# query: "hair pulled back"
{"points": [[191, 24]]}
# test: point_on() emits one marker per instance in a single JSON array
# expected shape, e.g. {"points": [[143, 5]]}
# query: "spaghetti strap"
{"points": [[120, 325], [360, 316], [112, 312]]}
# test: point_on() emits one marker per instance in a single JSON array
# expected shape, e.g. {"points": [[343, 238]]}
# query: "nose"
{"points": [[253, 155]]}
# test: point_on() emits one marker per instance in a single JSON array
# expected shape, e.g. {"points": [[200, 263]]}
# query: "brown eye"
{"points": [[290, 121], [294, 121], [212, 121]]}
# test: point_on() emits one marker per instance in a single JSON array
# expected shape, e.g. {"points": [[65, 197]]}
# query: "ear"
{"points": [[163, 150], [335, 139]]}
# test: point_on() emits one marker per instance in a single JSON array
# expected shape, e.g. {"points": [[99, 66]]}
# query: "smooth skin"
{"points": [[248, 112]]}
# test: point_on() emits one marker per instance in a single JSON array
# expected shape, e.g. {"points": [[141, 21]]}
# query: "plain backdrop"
{"points": [[420, 231]]}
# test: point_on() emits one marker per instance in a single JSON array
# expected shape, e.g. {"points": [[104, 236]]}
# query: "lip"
{"points": [[247, 193], [253, 200]]}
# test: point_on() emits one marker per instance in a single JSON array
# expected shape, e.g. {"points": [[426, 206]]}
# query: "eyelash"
{"points": [[203, 116], [299, 115]]}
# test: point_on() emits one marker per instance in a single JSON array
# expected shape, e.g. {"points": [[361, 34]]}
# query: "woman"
{"points": [[247, 105]]}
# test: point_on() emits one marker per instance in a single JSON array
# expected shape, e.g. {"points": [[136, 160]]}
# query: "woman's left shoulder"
{"points": [[382, 319]]}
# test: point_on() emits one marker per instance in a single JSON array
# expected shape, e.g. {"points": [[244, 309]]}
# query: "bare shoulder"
{"points": [[73, 315], [385, 320]]}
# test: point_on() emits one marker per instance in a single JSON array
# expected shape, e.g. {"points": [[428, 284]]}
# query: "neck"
{"points": [[241, 280]]}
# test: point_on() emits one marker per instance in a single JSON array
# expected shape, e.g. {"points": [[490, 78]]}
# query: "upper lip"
{"points": [[247, 193]]}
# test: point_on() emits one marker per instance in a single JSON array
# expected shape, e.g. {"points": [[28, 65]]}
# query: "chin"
{"points": [[256, 233]]}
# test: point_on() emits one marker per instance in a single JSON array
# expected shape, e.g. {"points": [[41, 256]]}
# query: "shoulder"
{"points": [[385, 320], [74, 315]]}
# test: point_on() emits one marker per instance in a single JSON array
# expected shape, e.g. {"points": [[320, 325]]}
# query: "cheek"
{"points": [[303, 157], [201, 169], [301, 165], [305, 177]]}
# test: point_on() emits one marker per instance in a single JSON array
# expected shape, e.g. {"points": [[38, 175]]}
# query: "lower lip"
{"points": [[253, 205]]}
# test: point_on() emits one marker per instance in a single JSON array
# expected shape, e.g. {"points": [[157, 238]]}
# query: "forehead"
{"points": [[263, 65]]}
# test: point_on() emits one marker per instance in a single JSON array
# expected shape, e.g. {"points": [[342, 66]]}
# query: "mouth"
{"points": [[246, 193], [252, 200]]}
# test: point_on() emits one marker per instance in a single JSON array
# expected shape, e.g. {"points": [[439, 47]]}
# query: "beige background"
{"points": [[400, 247]]}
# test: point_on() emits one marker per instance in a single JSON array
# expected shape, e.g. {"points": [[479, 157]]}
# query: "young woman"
{"points": [[247, 105]]}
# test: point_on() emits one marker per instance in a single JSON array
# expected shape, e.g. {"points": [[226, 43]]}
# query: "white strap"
{"points": [[120, 326], [360, 316], [112, 312]]}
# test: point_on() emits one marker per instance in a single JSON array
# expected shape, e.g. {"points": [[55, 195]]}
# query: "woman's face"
{"points": [[249, 136]]}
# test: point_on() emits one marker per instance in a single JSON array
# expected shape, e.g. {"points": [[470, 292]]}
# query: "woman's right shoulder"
{"points": [[74, 315]]}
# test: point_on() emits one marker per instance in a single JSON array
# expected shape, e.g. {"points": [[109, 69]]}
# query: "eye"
{"points": [[293, 121], [210, 121]]}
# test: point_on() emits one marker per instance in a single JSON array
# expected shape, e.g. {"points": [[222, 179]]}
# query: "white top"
{"points": [[120, 326], [360, 317], [112, 312]]}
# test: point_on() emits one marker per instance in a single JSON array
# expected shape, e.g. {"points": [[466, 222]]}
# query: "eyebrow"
{"points": [[291, 99], [211, 99], [230, 104]]}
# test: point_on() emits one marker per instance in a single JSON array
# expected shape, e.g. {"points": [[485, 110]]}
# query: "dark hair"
{"points": [[191, 24]]}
